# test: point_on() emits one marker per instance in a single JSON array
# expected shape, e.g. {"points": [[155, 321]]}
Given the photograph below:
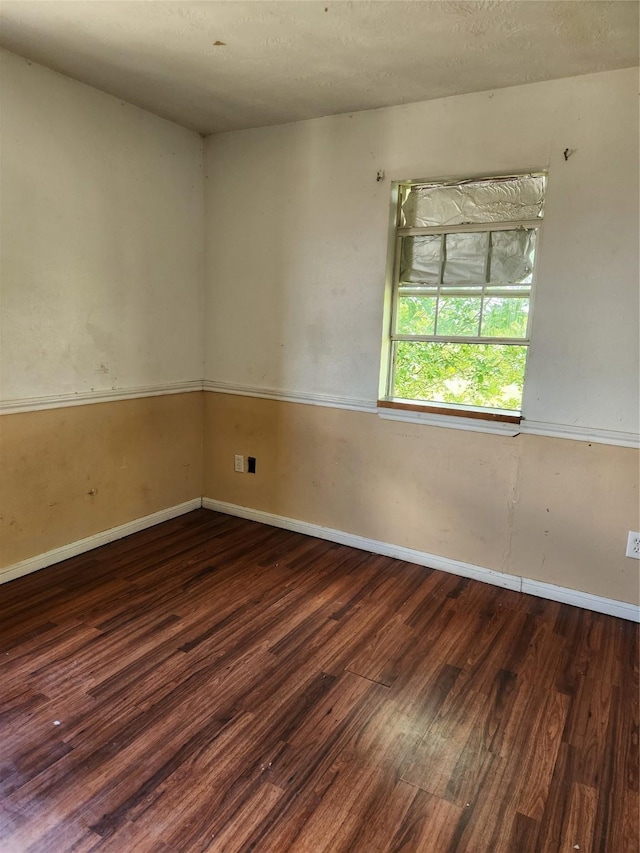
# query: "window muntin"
{"points": [[462, 278]]}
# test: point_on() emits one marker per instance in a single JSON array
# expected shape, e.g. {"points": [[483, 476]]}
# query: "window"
{"points": [[461, 274]]}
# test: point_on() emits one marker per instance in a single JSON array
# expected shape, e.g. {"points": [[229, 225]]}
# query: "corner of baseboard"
{"points": [[57, 555]]}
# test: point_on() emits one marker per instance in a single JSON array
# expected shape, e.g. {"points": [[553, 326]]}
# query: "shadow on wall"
{"points": [[286, 308]]}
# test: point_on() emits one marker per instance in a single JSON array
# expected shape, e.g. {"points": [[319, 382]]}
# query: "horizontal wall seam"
{"points": [[543, 428], [84, 398], [552, 430], [330, 402]]}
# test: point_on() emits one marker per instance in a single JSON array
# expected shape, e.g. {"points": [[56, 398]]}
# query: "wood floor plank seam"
{"points": [[213, 684]]}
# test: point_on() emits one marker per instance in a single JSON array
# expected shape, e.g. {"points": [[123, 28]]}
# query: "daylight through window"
{"points": [[463, 263]]}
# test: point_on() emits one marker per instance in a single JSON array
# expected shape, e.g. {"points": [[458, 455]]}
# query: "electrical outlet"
{"points": [[238, 464], [633, 545], [251, 464]]}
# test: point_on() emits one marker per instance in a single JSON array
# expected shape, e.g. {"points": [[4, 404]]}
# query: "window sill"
{"points": [[474, 420]]}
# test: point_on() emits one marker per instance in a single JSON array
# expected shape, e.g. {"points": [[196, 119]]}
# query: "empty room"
{"points": [[319, 426]]}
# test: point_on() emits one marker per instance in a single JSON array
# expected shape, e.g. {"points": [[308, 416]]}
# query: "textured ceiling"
{"points": [[285, 61]]}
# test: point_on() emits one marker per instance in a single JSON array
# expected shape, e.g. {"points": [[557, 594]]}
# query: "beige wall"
{"points": [[543, 508], [102, 249], [102, 235], [547, 509], [296, 235], [71, 472]]}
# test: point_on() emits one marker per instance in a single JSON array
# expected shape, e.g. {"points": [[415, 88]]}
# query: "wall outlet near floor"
{"points": [[251, 464], [238, 463], [633, 544]]}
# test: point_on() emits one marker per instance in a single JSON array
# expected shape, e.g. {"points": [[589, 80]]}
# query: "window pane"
{"points": [[505, 318], [512, 256], [458, 316], [489, 200], [488, 375], [466, 258], [420, 259], [416, 315]]}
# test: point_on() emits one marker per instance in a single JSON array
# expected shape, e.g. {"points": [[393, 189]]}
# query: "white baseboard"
{"points": [[41, 561], [610, 606], [577, 598]]}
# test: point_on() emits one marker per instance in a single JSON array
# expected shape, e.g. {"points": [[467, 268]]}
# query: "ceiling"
{"points": [[286, 61]]}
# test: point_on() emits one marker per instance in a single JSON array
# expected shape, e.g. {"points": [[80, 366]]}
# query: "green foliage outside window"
{"points": [[487, 375], [462, 279]]}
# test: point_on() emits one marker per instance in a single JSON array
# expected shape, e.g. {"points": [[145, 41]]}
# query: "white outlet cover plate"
{"points": [[238, 464], [633, 545]]}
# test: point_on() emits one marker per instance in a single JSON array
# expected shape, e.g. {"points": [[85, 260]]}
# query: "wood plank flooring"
{"points": [[212, 684]]}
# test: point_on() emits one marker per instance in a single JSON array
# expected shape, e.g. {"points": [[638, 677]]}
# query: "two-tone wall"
{"points": [[101, 275], [297, 239], [132, 280]]}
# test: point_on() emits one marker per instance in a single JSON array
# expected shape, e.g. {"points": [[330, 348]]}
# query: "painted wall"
{"points": [[102, 257], [101, 233], [72, 472], [296, 228], [546, 509]]}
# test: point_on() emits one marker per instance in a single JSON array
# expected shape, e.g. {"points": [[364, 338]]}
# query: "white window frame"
{"points": [[396, 233]]}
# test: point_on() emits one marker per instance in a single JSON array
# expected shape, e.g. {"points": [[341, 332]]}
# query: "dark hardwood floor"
{"points": [[214, 684]]}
